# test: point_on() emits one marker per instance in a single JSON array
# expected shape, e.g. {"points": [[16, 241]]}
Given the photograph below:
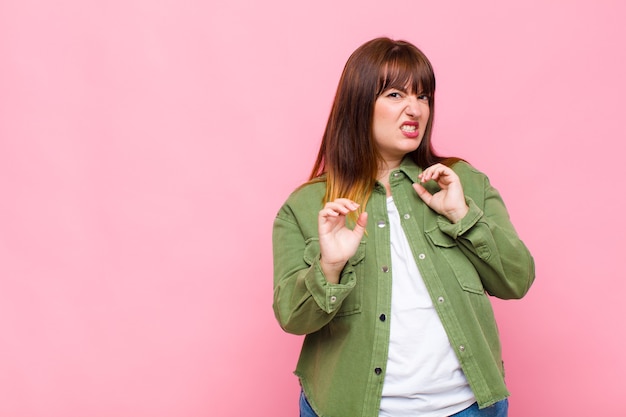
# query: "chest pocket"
{"points": [[465, 273], [355, 265]]}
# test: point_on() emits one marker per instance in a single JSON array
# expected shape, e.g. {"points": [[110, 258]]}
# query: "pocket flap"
{"points": [[440, 239]]}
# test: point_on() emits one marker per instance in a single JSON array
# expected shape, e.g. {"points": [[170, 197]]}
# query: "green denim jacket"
{"points": [[344, 354]]}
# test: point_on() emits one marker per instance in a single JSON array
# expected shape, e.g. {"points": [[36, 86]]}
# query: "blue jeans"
{"points": [[305, 408], [499, 409]]}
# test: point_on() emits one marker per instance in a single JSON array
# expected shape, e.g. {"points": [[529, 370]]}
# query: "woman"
{"points": [[384, 259]]}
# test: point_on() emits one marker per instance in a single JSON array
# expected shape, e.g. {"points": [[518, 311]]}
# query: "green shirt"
{"points": [[344, 354]]}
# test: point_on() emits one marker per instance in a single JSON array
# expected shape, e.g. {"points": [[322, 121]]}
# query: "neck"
{"points": [[384, 171]]}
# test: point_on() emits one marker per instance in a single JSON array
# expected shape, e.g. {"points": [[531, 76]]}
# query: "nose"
{"points": [[413, 106]]}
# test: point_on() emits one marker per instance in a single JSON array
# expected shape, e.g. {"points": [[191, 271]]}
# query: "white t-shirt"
{"points": [[423, 374]]}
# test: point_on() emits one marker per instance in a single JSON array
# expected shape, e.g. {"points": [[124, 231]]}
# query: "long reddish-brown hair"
{"points": [[348, 159]]}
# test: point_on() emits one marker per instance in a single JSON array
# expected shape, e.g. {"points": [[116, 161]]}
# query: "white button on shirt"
{"points": [[423, 375]]}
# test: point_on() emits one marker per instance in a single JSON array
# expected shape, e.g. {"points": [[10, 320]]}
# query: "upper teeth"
{"points": [[409, 128]]}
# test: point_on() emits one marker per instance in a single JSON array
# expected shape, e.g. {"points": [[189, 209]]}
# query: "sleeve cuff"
{"points": [[329, 297], [455, 230]]}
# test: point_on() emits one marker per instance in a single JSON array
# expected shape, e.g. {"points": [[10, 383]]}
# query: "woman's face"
{"points": [[400, 119]]}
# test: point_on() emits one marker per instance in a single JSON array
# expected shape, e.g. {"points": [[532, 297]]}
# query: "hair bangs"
{"points": [[405, 70]]}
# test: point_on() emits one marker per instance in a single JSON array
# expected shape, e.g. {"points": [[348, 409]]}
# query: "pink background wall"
{"points": [[145, 146]]}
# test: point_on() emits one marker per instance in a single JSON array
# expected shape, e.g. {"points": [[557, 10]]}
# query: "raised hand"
{"points": [[450, 200], [338, 243]]}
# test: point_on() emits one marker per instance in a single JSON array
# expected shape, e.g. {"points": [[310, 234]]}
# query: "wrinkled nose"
{"points": [[412, 107]]}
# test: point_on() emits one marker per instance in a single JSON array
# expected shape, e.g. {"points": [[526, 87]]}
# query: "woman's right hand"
{"points": [[337, 242]]}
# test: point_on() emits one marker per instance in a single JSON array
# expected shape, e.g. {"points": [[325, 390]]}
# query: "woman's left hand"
{"points": [[450, 200]]}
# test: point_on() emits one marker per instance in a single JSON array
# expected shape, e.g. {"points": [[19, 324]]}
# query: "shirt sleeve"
{"points": [[304, 301], [489, 240]]}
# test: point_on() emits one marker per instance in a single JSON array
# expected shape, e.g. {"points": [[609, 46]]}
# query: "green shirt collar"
{"points": [[410, 168]]}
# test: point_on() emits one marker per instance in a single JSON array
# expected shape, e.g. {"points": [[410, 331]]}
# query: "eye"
{"points": [[394, 94], [423, 97]]}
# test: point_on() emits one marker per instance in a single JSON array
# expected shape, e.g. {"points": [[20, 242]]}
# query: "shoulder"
{"points": [[305, 200], [467, 172], [474, 182], [464, 168]]}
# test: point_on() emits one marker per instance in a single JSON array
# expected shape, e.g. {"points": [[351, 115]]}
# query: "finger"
{"points": [[333, 211], [342, 205], [329, 212], [422, 192], [345, 201], [441, 174], [439, 171], [361, 224], [427, 175]]}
